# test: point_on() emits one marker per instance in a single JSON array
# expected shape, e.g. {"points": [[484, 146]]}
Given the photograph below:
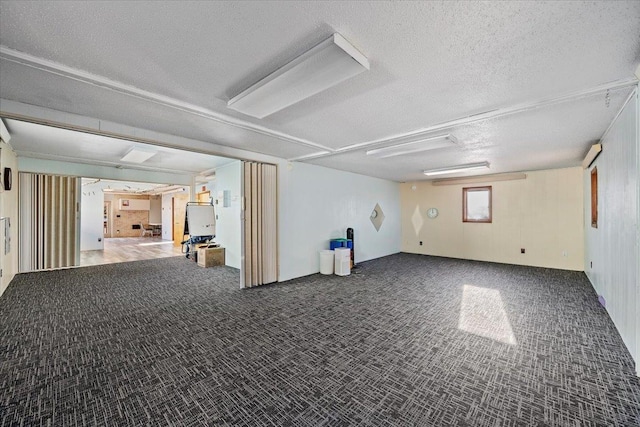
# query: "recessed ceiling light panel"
{"points": [[137, 155], [329, 63]]}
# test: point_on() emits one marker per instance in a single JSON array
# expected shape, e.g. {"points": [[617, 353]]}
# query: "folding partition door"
{"points": [[49, 220], [260, 225]]}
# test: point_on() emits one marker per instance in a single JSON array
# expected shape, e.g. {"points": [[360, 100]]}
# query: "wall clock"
{"points": [[7, 179], [432, 213]]}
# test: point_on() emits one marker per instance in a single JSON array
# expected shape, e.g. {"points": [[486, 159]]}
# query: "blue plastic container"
{"points": [[340, 243]]}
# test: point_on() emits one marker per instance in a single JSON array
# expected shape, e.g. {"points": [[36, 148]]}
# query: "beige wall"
{"points": [[9, 208], [542, 213]]}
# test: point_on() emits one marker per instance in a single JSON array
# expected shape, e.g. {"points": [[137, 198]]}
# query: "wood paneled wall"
{"points": [[541, 214], [612, 254]]}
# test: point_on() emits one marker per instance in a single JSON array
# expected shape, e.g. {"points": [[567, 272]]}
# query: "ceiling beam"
{"points": [[55, 167], [82, 76], [117, 165], [74, 122]]}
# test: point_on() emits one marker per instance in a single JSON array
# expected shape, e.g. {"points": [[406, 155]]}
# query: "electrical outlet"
{"points": [[521, 250], [420, 242], [565, 253]]}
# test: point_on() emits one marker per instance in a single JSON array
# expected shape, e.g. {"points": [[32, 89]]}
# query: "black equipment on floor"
{"points": [[353, 247], [200, 225]]}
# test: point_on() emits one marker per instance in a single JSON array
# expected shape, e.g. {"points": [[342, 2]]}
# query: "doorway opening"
{"points": [[130, 225], [122, 201]]}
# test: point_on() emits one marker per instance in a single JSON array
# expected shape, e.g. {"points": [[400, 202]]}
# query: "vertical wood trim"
{"points": [[61, 228], [260, 213], [37, 220], [35, 223], [260, 261], [52, 222], [254, 224], [269, 224], [247, 225], [58, 238], [75, 220], [44, 214], [48, 222], [594, 197], [243, 255], [65, 237], [264, 229]]}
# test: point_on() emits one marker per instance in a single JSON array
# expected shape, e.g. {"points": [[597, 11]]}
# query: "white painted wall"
{"points": [[91, 217], [8, 208], [613, 247], [228, 223], [542, 214], [317, 204]]}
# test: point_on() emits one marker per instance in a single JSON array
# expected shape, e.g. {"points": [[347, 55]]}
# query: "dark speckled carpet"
{"points": [[408, 340]]}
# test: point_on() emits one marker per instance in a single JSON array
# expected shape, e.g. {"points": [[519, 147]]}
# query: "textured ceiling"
{"points": [[431, 63], [553, 137], [114, 186]]}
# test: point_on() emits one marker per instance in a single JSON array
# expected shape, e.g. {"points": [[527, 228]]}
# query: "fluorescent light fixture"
{"points": [[459, 168], [137, 155], [175, 190], [4, 132], [329, 63], [480, 179], [423, 144], [594, 152]]}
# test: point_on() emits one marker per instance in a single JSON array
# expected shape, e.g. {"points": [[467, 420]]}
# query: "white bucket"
{"points": [[343, 261], [326, 262]]}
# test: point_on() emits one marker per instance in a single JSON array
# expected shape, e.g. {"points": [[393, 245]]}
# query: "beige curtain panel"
{"points": [[48, 221], [260, 227]]}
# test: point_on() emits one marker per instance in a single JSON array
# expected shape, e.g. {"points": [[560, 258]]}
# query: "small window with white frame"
{"points": [[476, 204]]}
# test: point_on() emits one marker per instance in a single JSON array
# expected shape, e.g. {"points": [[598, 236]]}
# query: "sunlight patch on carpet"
{"points": [[482, 313]]}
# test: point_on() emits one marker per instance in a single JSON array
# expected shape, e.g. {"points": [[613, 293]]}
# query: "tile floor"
{"points": [[123, 249]]}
